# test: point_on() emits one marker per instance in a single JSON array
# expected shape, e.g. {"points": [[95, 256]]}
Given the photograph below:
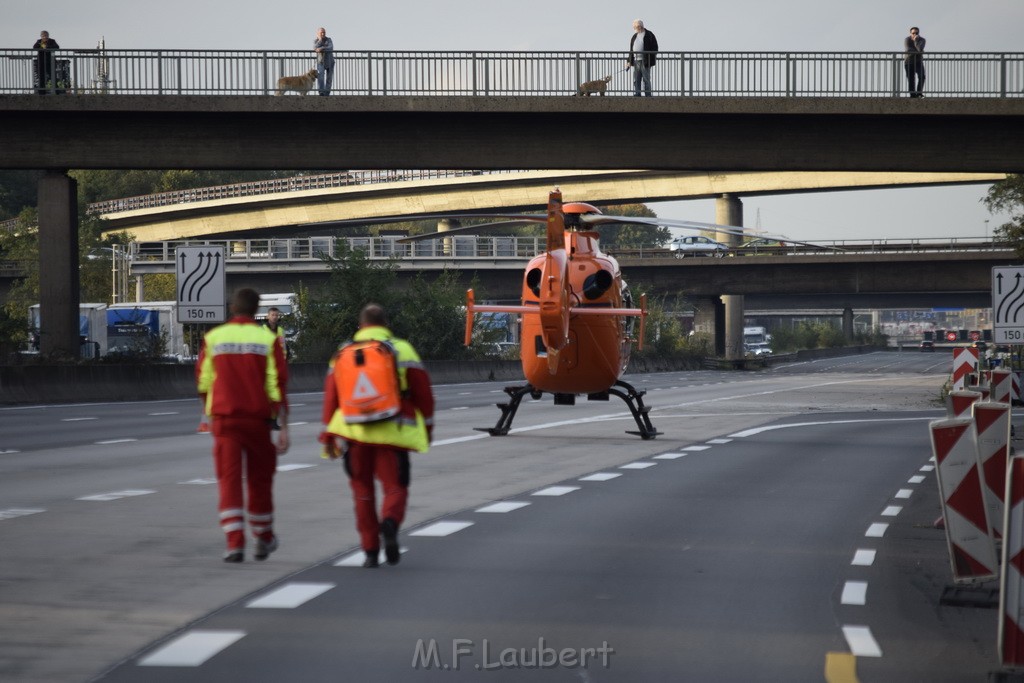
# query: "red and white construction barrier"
{"points": [[972, 550], [992, 423], [965, 362], [960, 402], [1011, 578], [1002, 386]]}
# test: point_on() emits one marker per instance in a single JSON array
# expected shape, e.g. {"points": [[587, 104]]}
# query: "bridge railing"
{"points": [[316, 248], [271, 185], [483, 73], [504, 248]]}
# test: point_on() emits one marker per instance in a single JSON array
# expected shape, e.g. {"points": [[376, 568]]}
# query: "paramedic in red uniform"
{"points": [[381, 448], [242, 378]]}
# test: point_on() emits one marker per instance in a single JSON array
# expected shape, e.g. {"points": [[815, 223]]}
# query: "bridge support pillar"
{"points": [[709, 322], [733, 304], [58, 265], [848, 325], [729, 211]]}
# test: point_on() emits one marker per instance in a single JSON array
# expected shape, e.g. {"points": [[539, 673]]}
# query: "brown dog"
{"points": [[598, 86], [300, 84]]}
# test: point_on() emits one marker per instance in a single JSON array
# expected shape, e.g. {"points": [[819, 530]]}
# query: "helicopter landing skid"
{"points": [[633, 399]]}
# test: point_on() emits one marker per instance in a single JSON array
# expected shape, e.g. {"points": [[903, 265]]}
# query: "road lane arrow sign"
{"points": [[200, 283], [1008, 304]]}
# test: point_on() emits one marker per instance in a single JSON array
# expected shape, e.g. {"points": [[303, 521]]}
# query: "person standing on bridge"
{"points": [[324, 49], [913, 61], [44, 62], [643, 50], [374, 446], [242, 379]]}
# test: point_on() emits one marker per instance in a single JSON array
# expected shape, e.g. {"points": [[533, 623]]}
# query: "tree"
{"points": [[427, 313], [630, 236], [1008, 195]]}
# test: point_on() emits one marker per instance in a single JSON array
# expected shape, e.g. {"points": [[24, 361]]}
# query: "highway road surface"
{"points": [[780, 529]]}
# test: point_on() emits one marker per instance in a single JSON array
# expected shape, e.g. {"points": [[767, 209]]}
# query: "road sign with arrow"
{"points": [[200, 273], [1008, 304]]}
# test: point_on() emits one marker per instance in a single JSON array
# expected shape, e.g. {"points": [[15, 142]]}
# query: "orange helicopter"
{"points": [[577, 314]]}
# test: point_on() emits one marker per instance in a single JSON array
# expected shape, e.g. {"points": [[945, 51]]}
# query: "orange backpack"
{"points": [[366, 375]]}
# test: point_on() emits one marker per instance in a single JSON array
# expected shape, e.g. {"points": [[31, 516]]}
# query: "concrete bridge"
{"points": [[700, 134], [250, 213]]}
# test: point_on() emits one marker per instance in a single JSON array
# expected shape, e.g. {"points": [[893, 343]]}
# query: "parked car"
{"points": [[697, 245], [928, 346]]}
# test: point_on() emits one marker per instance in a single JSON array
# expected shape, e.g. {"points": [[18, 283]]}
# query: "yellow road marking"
{"points": [[840, 667]]}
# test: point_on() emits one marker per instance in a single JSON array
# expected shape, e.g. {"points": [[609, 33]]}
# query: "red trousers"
{"points": [[363, 462], [243, 445]]}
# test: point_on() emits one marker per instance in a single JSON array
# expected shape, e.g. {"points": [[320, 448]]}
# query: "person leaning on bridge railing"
{"points": [[324, 49], [44, 62], [913, 61]]}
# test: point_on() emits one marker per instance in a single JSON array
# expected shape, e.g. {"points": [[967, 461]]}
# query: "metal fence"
{"points": [[504, 248], [743, 74]]}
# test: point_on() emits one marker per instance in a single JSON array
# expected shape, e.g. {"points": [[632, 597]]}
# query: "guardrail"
{"points": [[483, 73], [503, 248]]}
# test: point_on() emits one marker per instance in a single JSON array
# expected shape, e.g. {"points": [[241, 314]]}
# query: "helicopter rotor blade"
{"points": [[472, 229], [602, 219]]}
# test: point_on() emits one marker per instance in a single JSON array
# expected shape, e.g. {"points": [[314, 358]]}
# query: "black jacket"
{"points": [[649, 48]]}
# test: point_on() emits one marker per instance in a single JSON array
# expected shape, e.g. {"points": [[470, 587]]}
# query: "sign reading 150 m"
{"points": [[1008, 304], [200, 281]]}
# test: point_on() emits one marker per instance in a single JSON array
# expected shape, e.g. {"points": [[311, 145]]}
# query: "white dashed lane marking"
{"points": [[77, 419], [855, 593], [441, 528], [11, 513], [863, 558], [356, 559], [192, 648], [669, 456], [637, 465], [115, 495], [861, 642], [904, 493], [503, 506], [601, 476], [292, 467], [916, 479], [290, 595], [556, 491], [892, 511], [876, 530], [113, 441], [696, 448]]}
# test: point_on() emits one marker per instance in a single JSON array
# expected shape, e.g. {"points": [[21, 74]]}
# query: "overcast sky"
{"points": [[724, 25]]}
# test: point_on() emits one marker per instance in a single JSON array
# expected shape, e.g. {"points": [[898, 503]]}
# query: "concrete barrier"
{"points": [[38, 384]]}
